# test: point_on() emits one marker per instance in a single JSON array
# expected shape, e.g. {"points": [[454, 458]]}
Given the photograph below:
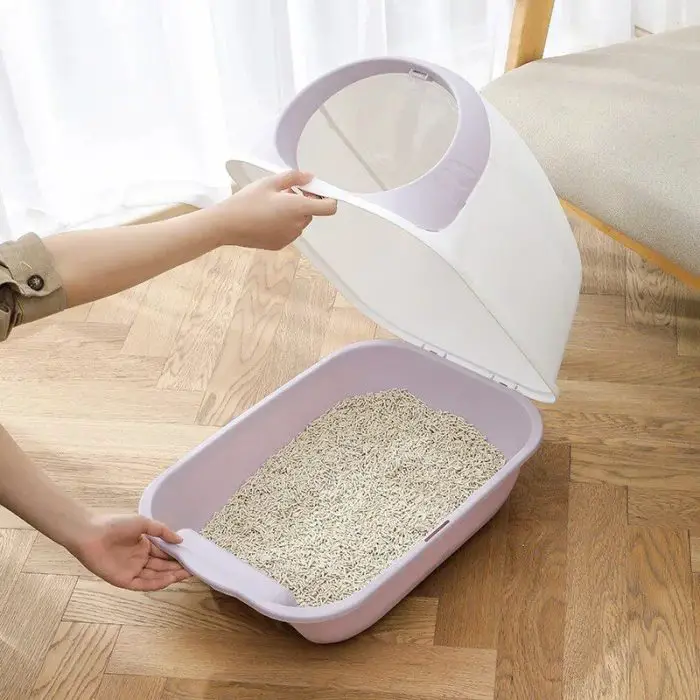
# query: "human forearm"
{"points": [[29, 493], [98, 263], [39, 278]]}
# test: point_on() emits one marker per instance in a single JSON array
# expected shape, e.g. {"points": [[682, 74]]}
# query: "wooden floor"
{"points": [[583, 586]]}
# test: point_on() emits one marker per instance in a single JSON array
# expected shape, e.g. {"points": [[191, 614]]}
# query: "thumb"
{"points": [[284, 181], [153, 528]]}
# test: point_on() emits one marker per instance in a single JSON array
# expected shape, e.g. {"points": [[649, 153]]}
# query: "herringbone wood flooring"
{"points": [[583, 585]]}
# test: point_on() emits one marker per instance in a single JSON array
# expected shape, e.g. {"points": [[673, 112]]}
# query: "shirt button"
{"points": [[36, 282]]}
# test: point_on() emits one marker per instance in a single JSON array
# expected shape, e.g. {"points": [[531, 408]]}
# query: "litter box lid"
{"points": [[448, 233]]}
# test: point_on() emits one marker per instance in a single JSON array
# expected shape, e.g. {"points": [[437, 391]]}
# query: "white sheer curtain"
{"points": [[109, 107]]}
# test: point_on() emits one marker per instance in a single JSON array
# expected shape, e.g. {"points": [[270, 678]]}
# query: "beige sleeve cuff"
{"points": [[30, 286]]}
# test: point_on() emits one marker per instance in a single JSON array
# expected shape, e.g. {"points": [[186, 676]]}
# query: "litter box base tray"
{"points": [[187, 494]]}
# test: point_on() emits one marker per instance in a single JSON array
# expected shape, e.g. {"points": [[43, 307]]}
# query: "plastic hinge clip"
{"points": [[434, 351], [508, 385], [418, 74]]}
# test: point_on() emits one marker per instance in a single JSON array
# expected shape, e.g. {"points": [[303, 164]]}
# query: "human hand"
{"points": [[117, 549], [267, 214]]}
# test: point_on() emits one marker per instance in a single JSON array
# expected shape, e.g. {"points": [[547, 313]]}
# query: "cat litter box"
{"points": [[449, 235]]}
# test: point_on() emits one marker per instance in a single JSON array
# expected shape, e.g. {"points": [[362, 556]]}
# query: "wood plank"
{"points": [[235, 383], [136, 687], [585, 427], [198, 343], [65, 339], [635, 400], [346, 325], [542, 490], [472, 619], [278, 350], [182, 689], [69, 352], [688, 322], [76, 314], [106, 465], [584, 364], [600, 325], [624, 339], [596, 643], [75, 662], [72, 369], [28, 621], [85, 481], [644, 466], [110, 465], [601, 310], [650, 293], [696, 609], [602, 259], [159, 318], [33, 367], [695, 554], [302, 328], [357, 665], [15, 546], [673, 509], [531, 639], [663, 661], [119, 308], [9, 521], [108, 400], [103, 440], [412, 621], [96, 602]]}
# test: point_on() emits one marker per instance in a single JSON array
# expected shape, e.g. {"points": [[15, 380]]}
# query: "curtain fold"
{"points": [[111, 107]]}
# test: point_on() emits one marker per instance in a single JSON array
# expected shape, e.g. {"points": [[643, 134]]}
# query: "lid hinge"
{"points": [[508, 385], [434, 351]]}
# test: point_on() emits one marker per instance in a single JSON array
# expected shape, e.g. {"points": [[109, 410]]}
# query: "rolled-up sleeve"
{"points": [[30, 286]]}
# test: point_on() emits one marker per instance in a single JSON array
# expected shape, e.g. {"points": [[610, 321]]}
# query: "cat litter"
{"points": [[352, 493]]}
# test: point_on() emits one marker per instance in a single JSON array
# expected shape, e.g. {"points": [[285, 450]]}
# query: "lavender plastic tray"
{"points": [[187, 494]]}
